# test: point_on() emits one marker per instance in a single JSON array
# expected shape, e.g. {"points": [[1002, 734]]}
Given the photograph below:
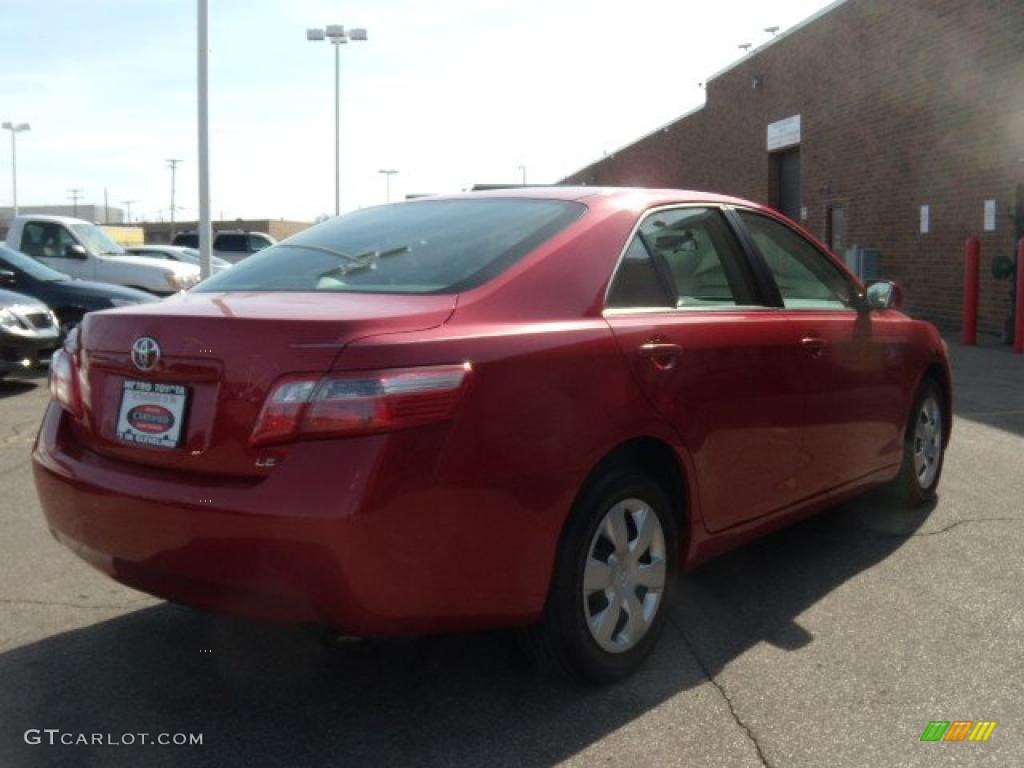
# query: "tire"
{"points": [[924, 446], [588, 558]]}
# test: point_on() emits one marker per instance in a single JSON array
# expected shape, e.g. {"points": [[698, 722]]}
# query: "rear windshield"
{"points": [[427, 246]]}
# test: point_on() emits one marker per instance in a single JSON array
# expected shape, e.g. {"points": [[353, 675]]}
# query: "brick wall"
{"points": [[902, 104]]}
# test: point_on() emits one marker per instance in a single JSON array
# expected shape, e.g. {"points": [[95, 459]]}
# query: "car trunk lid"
{"points": [[226, 350]]}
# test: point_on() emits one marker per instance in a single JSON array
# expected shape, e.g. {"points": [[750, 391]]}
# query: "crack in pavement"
{"points": [[869, 535], [721, 691]]}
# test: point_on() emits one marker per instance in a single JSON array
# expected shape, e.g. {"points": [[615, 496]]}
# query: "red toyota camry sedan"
{"points": [[520, 408]]}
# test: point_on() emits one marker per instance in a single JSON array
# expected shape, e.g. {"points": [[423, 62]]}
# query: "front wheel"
{"points": [[924, 446], [612, 582]]}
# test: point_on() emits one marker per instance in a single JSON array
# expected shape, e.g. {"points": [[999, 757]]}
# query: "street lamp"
{"points": [[15, 129], [338, 36], [388, 173]]}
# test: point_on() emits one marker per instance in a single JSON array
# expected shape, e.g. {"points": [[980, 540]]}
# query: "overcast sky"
{"points": [[449, 92]]}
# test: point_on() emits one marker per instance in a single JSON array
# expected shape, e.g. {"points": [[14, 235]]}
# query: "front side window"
{"points": [[804, 275], [96, 240], [425, 246], [682, 257], [45, 240]]}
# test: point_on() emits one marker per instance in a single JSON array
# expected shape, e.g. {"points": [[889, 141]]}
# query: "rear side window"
{"points": [[682, 257], [232, 243], [187, 239], [805, 276], [426, 246]]}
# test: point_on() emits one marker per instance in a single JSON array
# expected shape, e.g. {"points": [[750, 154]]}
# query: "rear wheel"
{"points": [[612, 581], [924, 446]]}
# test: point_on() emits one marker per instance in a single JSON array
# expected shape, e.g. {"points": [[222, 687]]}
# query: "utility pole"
{"points": [[523, 169], [74, 195], [173, 165], [106, 207], [127, 210]]}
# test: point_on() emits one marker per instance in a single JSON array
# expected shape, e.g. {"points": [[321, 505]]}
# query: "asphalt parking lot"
{"points": [[832, 643]]}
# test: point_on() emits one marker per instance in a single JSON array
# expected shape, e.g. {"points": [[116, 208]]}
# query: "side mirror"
{"points": [[75, 251], [7, 277], [883, 294]]}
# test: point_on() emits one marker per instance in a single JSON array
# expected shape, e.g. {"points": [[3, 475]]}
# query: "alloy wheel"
{"points": [[928, 442], [624, 575]]}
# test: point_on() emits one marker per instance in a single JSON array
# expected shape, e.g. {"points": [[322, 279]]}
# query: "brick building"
{"points": [[891, 125]]}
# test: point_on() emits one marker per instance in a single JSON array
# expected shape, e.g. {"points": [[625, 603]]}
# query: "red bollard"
{"points": [[1018, 317], [972, 261]]}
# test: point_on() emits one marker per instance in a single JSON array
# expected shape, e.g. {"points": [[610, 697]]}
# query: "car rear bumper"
{"points": [[333, 536]]}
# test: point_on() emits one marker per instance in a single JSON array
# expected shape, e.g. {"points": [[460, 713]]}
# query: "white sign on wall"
{"points": [[990, 215], [925, 219], [783, 133]]}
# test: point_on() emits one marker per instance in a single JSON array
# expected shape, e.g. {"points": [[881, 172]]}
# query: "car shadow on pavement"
{"points": [[269, 695], [13, 387]]}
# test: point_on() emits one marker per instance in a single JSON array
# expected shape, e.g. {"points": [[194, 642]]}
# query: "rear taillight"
{"points": [[64, 382], [357, 403]]}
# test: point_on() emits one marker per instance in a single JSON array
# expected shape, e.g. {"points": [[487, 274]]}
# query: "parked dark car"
{"points": [[28, 333], [69, 298]]}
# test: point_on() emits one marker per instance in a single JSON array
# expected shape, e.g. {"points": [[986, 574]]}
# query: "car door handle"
{"points": [[663, 355], [813, 344]]}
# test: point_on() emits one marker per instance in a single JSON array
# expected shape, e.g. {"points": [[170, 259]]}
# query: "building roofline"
{"points": [[777, 38], [754, 52]]}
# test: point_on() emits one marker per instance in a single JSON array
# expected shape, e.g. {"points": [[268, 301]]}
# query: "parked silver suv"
{"points": [[231, 246]]}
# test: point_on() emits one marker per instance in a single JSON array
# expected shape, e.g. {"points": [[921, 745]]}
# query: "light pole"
{"points": [[522, 169], [203, 110], [15, 129], [338, 36], [388, 173]]}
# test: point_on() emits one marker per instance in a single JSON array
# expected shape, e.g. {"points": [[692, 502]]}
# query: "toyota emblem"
{"points": [[145, 353]]}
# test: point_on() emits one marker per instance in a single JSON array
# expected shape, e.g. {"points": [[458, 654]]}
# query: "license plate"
{"points": [[151, 413]]}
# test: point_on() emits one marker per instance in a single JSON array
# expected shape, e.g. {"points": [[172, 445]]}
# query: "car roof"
{"points": [[53, 218], [641, 196]]}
